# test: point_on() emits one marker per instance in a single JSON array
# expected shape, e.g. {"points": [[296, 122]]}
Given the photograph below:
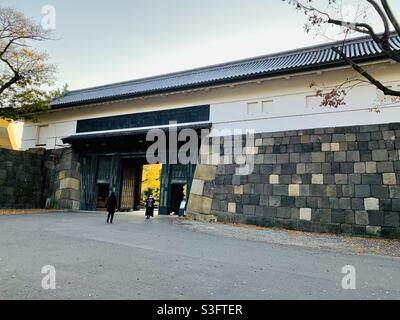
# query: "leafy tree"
{"points": [[24, 71], [332, 15], [151, 181]]}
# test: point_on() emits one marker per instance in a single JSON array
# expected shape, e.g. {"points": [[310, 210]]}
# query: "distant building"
{"points": [[106, 126]]}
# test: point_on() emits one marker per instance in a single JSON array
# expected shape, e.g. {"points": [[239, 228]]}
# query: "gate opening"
{"points": [[151, 183], [103, 191], [178, 194]]}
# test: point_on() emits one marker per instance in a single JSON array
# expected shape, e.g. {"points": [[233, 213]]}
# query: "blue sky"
{"points": [[102, 42]]}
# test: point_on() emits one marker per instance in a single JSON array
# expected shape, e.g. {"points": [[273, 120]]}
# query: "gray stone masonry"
{"points": [[38, 178], [21, 179], [336, 180]]}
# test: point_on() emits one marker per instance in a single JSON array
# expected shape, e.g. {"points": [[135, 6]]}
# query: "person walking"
{"points": [[111, 205], [150, 204]]}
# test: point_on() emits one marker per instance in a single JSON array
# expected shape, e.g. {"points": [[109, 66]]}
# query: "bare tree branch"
{"points": [[382, 15], [391, 16], [10, 82], [367, 75], [316, 18], [359, 27]]}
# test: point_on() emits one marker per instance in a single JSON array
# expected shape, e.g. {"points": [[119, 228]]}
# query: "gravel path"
{"points": [[342, 243]]}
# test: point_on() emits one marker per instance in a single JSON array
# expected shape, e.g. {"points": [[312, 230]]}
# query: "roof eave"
{"points": [[258, 76]]}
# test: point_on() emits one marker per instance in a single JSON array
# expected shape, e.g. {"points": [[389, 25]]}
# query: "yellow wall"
{"points": [[7, 139]]}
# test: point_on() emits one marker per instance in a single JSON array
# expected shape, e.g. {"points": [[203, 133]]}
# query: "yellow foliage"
{"points": [[151, 177]]}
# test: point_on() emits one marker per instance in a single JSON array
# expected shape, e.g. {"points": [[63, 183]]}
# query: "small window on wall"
{"points": [[42, 136], [254, 108], [267, 106]]}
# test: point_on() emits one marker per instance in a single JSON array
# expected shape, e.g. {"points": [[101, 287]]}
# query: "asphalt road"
{"points": [[159, 259]]}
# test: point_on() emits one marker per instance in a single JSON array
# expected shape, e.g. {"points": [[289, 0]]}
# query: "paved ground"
{"points": [[168, 259]]}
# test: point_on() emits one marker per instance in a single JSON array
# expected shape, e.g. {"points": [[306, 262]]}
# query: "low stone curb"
{"points": [[15, 212]]}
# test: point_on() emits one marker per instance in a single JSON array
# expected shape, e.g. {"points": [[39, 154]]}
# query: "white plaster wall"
{"points": [[289, 110], [29, 136], [59, 130], [55, 132], [18, 129]]}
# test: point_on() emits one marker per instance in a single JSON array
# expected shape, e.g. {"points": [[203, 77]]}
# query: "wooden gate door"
{"points": [[88, 183], [128, 186]]}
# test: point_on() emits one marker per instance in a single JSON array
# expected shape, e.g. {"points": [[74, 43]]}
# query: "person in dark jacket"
{"points": [[111, 205], [150, 204]]}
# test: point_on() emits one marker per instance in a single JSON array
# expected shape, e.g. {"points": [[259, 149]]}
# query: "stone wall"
{"points": [[62, 190], [39, 179], [202, 192], [21, 179], [337, 180]]}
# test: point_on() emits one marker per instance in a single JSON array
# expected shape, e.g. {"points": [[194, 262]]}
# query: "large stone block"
{"points": [[301, 168], [76, 205], [373, 231], [284, 213], [205, 172], [375, 218], [380, 192], [362, 218], [249, 210], [394, 192], [371, 167], [350, 217], [198, 204], [281, 190], [318, 157], [371, 204], [70, 183], [239, 190], [362, 191], [273, 179], [197, 187], [385, 167], [340, 156], [389, 178], [317, 179], [305, 214], [323, 216], [341, 178], [391, 219], [380, 155], [360, 167], [372, 179], [294, 190], [353, 156]]}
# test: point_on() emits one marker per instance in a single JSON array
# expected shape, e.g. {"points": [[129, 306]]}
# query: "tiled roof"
{"points": [[284, 63]]}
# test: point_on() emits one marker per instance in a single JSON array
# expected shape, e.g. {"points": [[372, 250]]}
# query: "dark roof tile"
{"points": [[310, 58]]}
